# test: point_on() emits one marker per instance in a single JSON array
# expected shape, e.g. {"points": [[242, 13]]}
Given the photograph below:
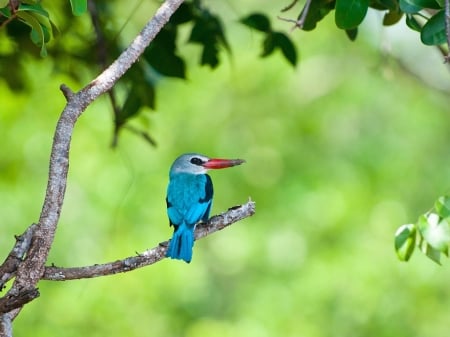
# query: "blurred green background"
{"points": [[340, 152]]}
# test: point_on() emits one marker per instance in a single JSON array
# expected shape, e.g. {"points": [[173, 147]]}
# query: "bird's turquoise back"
{"points": [[189, 198]]}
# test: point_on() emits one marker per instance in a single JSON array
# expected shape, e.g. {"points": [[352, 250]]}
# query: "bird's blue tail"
{"points": [[180, 246]]}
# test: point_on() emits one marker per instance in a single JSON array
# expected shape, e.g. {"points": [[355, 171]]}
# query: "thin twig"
{"points": [[152, 255], [288, 7], [300, 22], [141, 133], [447, 29], [67, 92]]}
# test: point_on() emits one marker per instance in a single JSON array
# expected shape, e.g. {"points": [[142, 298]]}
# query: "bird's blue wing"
{"points": [[208, 197], [189, 199]]}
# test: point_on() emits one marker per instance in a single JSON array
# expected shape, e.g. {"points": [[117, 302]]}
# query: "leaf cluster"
{"points": [[162, 58], [26, 21], [273, 40], [31, 13], [76, 47], [431, 233], [425, 16]]}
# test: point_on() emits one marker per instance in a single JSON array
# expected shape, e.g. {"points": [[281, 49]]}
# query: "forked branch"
{"points": [[31, 262], [149, 256]]}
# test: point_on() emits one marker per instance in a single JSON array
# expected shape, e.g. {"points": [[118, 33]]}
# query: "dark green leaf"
{"points": [[286, 46], [350, 13], [161, 54], [257, 21], [79, 7], [138, 97], [208, 31], [413, 23], [210, 55], [183, 14], [433, 32], [392, 17], [405, 241], [415, 6], [442, 206], [130, 107], [6, 12], [352, 33], [317, 11], [268, 45], [391, 5]]}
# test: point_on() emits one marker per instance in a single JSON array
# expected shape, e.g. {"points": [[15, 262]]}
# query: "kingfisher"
{"points": [[189, 198]]}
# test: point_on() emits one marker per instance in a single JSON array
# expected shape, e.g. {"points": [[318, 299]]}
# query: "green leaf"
{"points": [[413, 23], [286, 46], [161, 54], [435, 231], [352, 33], [6, 12], [3, 3], [268, 45], [37, 34], [183, 14], [317, 11], [208, 32], [415, 6], [392, 17], [130, 107], [37, 8], [385, 5], [430, 252], [138, 97], [442, 206], [79, 7], [433, 32], [405, 241], [350, 13], [257, 21], [210, 55]]}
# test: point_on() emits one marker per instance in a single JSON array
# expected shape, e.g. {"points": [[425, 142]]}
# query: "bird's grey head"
{"points": [[189, 163]]}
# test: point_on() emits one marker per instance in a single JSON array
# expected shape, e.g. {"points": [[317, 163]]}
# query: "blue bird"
{"points": [[189, 198]]}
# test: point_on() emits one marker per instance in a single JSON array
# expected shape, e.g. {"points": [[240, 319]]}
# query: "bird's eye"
{"points": [[196, 161]]}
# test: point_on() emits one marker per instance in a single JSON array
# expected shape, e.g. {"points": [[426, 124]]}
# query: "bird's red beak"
{"points": [[216, 163]]}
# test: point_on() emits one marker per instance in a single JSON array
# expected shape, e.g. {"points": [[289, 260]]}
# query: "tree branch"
{"points": [[447, 30], [152, 255], [9, 266], [12, 301], [300, 22], [31, 269]]}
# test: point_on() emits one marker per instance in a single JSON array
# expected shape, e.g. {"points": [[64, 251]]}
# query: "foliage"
{"points": [[424, 16], [432, 231], [273, 40], [163, 58]]}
